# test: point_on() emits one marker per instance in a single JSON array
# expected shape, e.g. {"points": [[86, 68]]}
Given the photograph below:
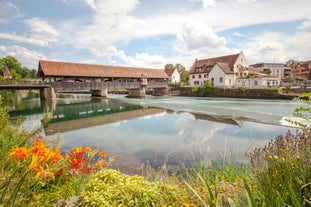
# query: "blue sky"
{"points": [[152, 33]]}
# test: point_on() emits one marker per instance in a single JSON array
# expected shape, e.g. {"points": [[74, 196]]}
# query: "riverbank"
{"points": [[273, 93]]}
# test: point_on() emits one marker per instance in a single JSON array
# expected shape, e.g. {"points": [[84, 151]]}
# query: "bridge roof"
{"points": [[68, 69]]}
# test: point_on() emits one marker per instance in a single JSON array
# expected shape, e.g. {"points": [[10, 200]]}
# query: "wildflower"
{"points": [[100, 163], [275, 157], [44, 173], [87, 149], [19, 152], [102, 154], [74, 171]]}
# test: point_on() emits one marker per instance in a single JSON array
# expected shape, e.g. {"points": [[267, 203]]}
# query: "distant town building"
{"points": [[273, 69], [174, 75], [301, 70]]}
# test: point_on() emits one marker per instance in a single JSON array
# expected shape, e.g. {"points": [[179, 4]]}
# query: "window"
{"points": [[256, 83], [221, 79], [205, 75], [199, 76], [193, 76]]}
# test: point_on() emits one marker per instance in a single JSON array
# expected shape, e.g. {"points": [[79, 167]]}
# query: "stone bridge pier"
{"points": [[47, 94]]}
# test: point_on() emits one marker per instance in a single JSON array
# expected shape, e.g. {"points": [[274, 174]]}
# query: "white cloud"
{"points": [[27, 57], [41, 33], [6, 11], [201, 41], [277, 47], [238, 34], [91, 3], [112, 55], [208, 3], [306, 25]]}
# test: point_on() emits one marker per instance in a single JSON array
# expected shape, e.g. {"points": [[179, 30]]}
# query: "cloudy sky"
{"points": [[152, 33]]}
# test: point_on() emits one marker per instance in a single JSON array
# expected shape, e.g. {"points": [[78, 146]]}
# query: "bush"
{"points": [[112, 188]]}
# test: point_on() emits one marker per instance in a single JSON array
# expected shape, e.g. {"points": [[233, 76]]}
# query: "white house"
{"points": [[230, 71], [221, 71], [174, 75]]}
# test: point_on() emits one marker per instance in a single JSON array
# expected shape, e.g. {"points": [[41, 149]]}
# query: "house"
{"points": [[7, 73], [174, 75], [229, 72], [274, 69], [301, 70], [220, 71]]}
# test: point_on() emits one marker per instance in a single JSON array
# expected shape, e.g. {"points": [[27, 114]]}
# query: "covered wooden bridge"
{"points": [[100, 79]]}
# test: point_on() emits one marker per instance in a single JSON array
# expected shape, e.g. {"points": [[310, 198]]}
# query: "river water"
{"points": [[157, 131]]}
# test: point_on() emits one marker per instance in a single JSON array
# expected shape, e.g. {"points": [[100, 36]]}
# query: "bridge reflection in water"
{"points": [[104, 111]]}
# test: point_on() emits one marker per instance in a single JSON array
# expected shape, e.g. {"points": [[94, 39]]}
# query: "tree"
{"points": [[168, 66], [12, 64], [184, 76], [19, 71]]}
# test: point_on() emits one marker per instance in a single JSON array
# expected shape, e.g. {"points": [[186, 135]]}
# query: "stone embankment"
{"points": [[233, 93]]}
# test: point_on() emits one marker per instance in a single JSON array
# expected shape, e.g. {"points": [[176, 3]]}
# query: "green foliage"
{"points": [[112, 188], [302, 112], [282, 170], [208, 86], [195, 89], [16, 69]]}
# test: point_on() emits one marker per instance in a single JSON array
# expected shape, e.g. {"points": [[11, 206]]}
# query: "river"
{"points": [[158, 131]]}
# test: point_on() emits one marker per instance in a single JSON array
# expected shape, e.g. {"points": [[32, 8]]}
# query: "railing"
{"points": [[63, 86]]}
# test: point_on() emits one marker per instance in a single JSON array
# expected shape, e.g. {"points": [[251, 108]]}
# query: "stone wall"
{"points": [[232, 93]]}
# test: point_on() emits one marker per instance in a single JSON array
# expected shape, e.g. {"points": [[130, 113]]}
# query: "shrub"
{"points": [[112, 188]]}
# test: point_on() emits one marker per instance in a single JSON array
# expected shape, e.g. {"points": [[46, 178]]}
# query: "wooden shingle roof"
{"points": [[48, 68], [229, 60]]}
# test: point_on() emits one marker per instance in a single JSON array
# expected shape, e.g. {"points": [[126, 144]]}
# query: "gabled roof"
{"points": [[229, 59], [68, 69], [170, 71], [225, 67]]}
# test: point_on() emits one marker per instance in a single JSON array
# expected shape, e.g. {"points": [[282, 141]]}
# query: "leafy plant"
{"points": [[282, 170], [302, 112], [112, 188]]}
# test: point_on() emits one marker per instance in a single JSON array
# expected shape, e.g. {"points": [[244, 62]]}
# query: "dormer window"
{"points": [[198, 69]]}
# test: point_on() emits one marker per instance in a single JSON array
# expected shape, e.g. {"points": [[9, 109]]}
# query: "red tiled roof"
{"points": [[229, 60], [225, 67], [170, 71], [67, 69]]}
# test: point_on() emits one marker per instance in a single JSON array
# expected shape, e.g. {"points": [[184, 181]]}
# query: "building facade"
{"points": [[220, 71], [233, 71], [279, 70], [174, 75]]}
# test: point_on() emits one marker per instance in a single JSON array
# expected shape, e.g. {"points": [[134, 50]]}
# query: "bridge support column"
{"points": [[160, 91], [100, 93], [137, 92], [47, 94]]}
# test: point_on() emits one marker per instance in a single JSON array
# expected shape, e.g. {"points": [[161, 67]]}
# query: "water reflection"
{"points": [[162, 131]]}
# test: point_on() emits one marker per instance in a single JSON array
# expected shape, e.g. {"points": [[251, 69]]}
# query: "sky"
{"points": [[153, 33]]}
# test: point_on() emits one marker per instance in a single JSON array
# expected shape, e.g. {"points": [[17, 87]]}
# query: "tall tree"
{"points": [[13, 64]]}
